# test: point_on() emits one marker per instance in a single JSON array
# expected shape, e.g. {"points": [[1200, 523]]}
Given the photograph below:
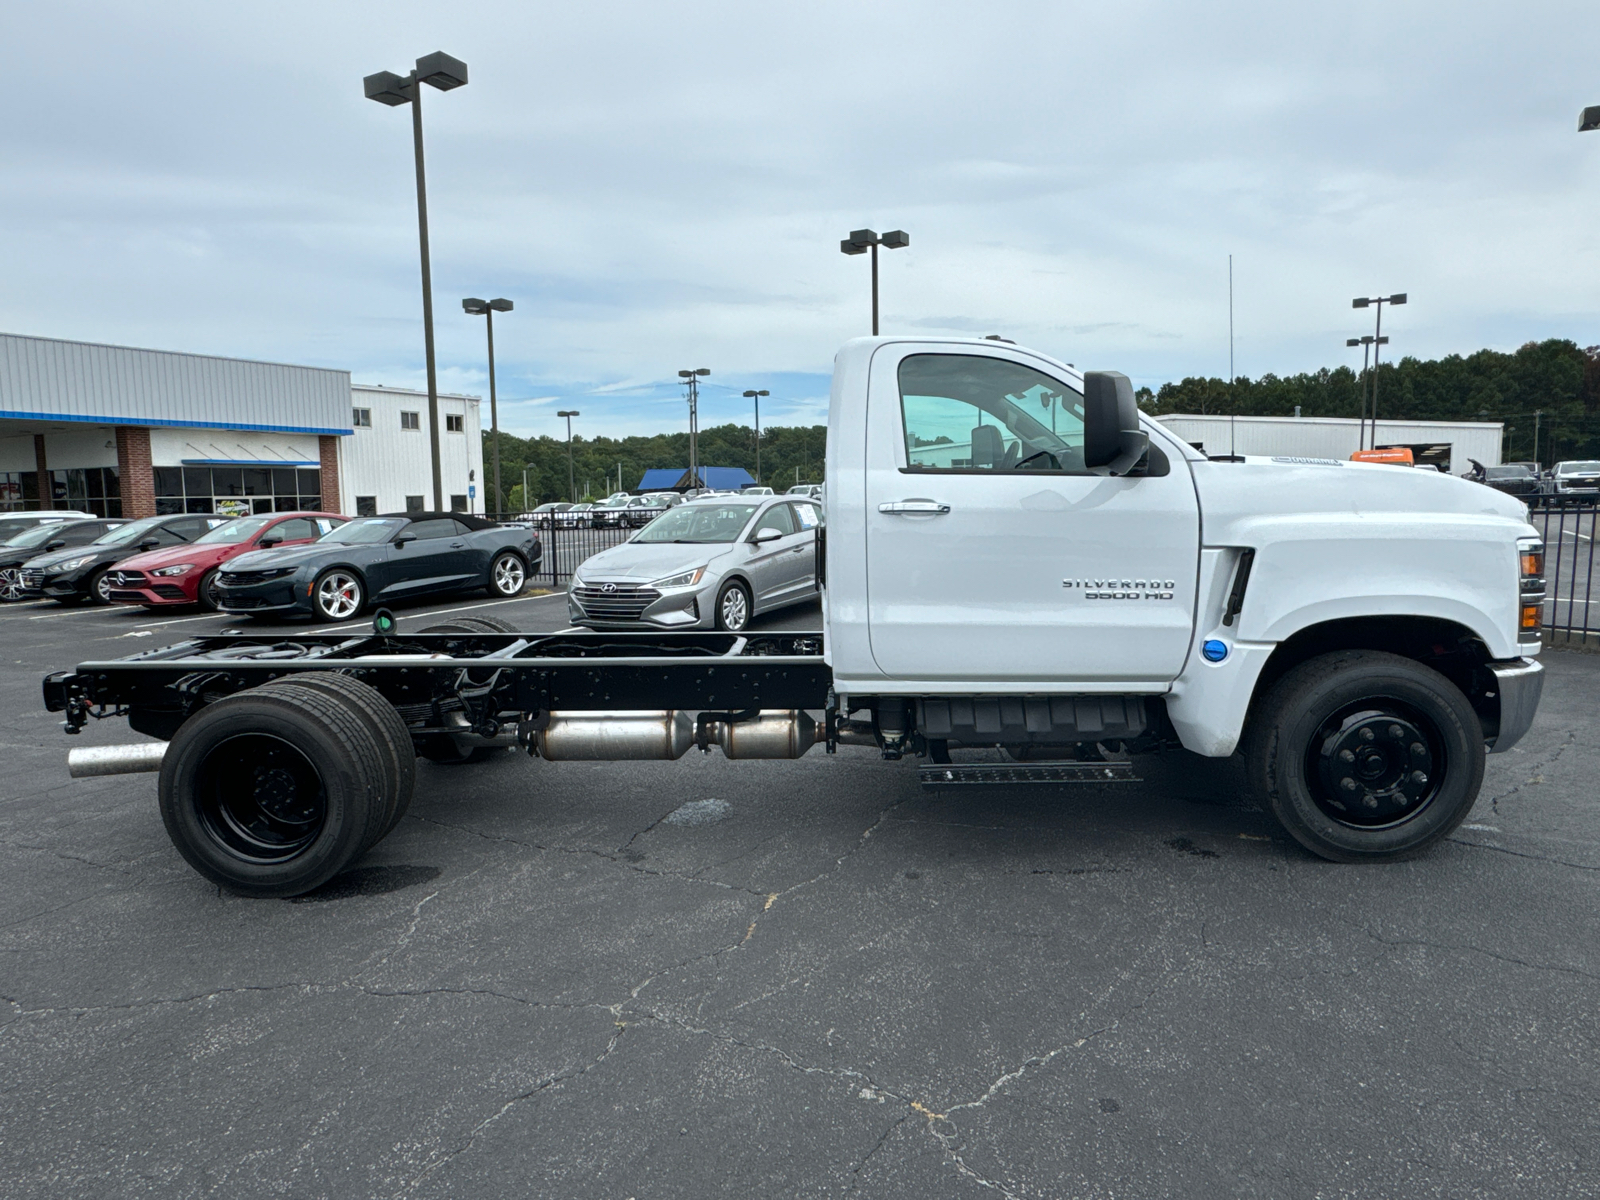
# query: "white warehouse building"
{"points": [[1448, 444], [121, 431]]}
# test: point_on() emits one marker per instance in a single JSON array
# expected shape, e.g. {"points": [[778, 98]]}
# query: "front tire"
{"points": [[338, 595], [508, 576], [1365, 756], [733, 607], [98, 589]]}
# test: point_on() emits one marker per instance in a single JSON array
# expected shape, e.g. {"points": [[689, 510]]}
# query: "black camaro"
{"points": [[381, 560]]}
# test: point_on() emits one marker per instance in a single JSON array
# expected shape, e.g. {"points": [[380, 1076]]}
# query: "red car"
{"points": [[187, 574]]}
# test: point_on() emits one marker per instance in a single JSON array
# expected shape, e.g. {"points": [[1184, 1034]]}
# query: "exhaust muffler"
{"points": [[670, 734], [84, 762]]}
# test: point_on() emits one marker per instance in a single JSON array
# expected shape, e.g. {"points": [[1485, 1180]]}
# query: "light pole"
{"points": [[1365, 343], [756, 396], [1589, 119], [487, 310], [443, 72], [862, 240], [1378, 342], [692, 378], [569, 413]]}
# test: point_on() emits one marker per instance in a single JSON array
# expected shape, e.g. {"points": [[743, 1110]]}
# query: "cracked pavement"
{"points": [[826, 983]]}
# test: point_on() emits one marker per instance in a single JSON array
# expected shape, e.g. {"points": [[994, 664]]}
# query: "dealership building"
{"points": [[119, 431]]}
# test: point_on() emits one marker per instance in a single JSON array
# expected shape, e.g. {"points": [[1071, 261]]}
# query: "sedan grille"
{"points": [[127, 579], [615, 601], [33, 578]]}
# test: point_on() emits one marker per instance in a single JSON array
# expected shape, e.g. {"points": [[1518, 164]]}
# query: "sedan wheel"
{"points": [[507, 577], [100, 588], [207, 591], [733, 608], [338, 596], [11, 584]]}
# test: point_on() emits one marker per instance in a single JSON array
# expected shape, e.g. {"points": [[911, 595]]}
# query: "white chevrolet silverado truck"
{"points": [[1024, 580]]}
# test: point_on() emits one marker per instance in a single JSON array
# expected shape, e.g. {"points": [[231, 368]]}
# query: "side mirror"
{"points": [[58, 544], [267, 543], [768, 534], [1111, 434], [400, 542], [149, 544]]}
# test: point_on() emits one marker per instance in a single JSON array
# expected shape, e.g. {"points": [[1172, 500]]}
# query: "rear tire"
{"points": [[508, 575], [383, 722], [273, 791], [1365, 756], [206, 593], [338, 595]]}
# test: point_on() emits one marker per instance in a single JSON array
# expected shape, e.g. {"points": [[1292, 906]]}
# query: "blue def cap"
{"points": [[1215, 650]]}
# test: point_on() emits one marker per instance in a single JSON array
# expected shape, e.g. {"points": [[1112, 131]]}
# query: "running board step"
{"points": [[945, 774]]}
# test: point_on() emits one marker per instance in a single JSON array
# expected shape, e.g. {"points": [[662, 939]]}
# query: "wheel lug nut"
{"points": [[1347, 756], [1419, 777], [1348, 785], [1396, 732], [1370, 801], [1367, 735], [1418, 749]]}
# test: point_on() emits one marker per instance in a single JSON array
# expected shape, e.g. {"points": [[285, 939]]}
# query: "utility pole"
{"points": [[692, 378], [1377, 342]]}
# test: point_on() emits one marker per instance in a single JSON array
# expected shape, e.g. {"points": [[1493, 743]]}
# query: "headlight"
{"points": [[175, 569], [72, 564], [686, 579]]}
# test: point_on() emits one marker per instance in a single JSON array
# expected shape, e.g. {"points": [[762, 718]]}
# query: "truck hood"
{"points": [[1236, 496]]}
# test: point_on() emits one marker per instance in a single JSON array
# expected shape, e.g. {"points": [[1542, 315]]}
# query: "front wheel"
{"points": [[733, 607], [1365, 756], [337, 595], [507, 575], [99, 587]]}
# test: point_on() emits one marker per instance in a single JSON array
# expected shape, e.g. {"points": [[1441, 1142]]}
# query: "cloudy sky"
{"points": [[659, 186]]}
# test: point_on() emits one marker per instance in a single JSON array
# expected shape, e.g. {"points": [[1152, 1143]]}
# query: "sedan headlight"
{"points": [[72, 564], [686, 579], [175, 569]]}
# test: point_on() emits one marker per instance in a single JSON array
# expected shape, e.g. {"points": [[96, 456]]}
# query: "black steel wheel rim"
{"points": [[1376, 764], [260, 798]]}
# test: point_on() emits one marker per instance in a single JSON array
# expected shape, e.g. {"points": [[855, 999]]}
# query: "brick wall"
{"points": [[328, 451], [134, 477]]}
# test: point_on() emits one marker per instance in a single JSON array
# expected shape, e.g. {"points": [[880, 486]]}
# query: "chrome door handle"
{"points": [[931, 507]]}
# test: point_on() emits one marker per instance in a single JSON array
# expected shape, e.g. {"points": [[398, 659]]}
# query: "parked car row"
{"points": [[317, 563], [626, 510], [1575, 481]]}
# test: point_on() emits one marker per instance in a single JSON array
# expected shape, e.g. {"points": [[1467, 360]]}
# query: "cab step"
{"points": [[950, 774]]}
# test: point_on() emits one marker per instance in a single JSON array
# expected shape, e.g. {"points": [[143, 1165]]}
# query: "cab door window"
{"points": [[777, 517], [971, 413], [439, 527], [299, 529]]}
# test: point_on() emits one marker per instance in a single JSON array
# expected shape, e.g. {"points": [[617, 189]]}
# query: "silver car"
{"points": [[708, 564]]}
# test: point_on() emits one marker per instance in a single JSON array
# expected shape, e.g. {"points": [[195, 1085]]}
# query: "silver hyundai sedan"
{"points": [[707, 564]]}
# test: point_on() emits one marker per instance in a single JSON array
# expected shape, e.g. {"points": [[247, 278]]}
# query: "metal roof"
{"points": [[668, 478], [53, 380]]}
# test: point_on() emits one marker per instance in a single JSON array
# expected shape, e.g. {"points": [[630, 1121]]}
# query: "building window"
{"points": [[458, 504], [362, 418], [237, 491], [366, 506], [92, 489], [455, 423], [413, 503], [410, 420]]}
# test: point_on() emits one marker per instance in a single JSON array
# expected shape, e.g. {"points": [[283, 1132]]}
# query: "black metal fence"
{"points": [[566, 543], [1570, 611]]}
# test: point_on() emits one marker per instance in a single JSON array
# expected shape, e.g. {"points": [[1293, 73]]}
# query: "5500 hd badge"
{"points": [[1123, 589]]}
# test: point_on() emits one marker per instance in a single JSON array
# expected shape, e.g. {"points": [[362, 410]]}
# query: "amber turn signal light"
{"points": [[1532, 562], [1532, 616]]}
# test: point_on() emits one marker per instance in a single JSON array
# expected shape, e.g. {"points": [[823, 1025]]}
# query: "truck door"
{"points": [[992, 554]]}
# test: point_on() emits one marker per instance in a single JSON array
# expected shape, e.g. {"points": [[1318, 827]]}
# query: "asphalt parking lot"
{"points": [[712, 978]]}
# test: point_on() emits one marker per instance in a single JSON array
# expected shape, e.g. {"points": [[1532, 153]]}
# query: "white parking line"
{"points": [[439, 612]]}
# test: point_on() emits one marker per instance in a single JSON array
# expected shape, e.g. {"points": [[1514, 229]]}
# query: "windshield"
{"points": [[363, 531], [700, 522], [131, 532], [37, 536], [234, 532], [1580, 468]]}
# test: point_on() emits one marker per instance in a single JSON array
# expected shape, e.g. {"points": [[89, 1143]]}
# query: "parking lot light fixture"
{"points": [[692, 379], [1378, 340], [862, 240], [572, 491], [1589, 118], [756, 396], [487, 310], [445, 73]]}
